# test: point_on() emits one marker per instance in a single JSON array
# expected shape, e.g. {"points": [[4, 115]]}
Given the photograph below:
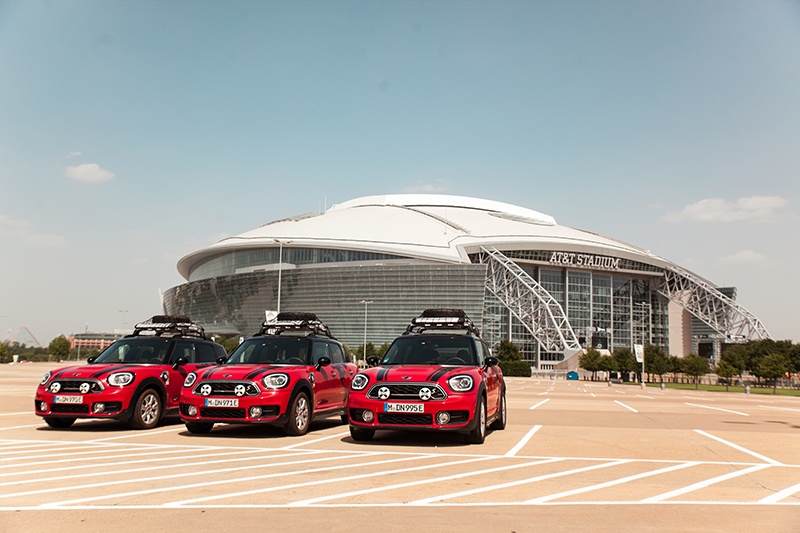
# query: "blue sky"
{"points": [[133, 133]]}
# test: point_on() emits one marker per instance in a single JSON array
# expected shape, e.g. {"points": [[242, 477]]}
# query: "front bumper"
{"points": [[111, 403], [458, 409], [260, 409]]}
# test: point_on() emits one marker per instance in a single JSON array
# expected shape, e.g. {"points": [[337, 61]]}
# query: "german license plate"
{"points": [[403, 408], [68, 399], [222, 402]]}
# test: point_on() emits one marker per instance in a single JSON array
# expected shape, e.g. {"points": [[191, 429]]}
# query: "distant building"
{"points": [[366, 266], [93, 341]]}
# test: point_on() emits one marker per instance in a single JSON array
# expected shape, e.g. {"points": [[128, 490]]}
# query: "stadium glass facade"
{"points": [[231, 292]]}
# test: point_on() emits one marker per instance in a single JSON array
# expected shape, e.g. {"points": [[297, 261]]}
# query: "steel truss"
{"points": [[708, 304], [534, 307]]}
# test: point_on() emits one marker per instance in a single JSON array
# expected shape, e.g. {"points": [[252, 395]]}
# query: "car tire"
{"points": [[500, 421], [199, 428], [59, 422], [478, 434], [299, 416], [361, 435], [345, 419], [147, 410]]}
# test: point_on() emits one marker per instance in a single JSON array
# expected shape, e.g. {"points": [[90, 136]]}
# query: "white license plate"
{"points": [[222, 402], [403, 408], [69, 399]]}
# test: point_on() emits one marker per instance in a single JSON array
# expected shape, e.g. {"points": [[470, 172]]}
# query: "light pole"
{"points": [[638, 349], [124, 312], [366, 303], [280, 267]]}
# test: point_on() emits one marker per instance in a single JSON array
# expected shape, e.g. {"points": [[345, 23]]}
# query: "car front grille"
{"points": [[74, 386], [78, 409], [406, 391], [227, 388], [222, 412], [405, 419]]}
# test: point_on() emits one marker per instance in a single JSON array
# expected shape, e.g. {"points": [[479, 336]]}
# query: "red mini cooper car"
{"points": [[137, 379], [439, 375], [291, 372]]}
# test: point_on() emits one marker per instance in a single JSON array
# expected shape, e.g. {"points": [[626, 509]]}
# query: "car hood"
{"points": [[247, 372], [416, 373], [97, 371]]}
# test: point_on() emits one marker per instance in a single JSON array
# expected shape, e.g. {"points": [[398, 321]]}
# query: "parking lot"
{"points": [[575, 456]]}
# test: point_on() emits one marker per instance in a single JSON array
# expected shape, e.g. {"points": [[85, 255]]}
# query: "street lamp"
{"points": [[366, 303], [124, 312], [280, 267], [638, 349]]}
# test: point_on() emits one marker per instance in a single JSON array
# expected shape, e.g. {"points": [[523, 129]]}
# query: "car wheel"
{"points": [[361, 435], [500, 421], [59, 423], [147, 410], [345, 419], [199, 428], [478, 434], [299, 416]]}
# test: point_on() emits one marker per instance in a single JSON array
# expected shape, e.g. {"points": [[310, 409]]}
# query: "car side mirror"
{"points": [[372, 360], [492, 361], [91, 359], [180, 362], [221, 360], [323, 361]]}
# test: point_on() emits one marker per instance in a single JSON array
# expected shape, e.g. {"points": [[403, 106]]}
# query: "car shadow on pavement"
{"points": [[105, 426]]}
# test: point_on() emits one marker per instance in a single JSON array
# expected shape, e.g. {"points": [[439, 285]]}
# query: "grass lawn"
{"points": [[721, 388]]}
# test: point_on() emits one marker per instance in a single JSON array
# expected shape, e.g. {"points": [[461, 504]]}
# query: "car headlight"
{"points": [[461, 383], [360, 382], [276, 381], [191, 377], [45, 378], [120, 379]]}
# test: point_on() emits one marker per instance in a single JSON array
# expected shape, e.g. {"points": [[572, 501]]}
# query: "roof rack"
{"points": [[168, 326], [295, 322], [442, 319]]}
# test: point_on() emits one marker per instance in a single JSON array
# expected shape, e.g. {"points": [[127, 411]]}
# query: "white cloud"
{"points": [[751, 208], [74, 154], [23, 232], [89, 172], [745, 257]]}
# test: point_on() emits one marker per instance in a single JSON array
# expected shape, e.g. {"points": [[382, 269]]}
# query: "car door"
{"points": [[196, 354], [327, 381], [491, 379]]}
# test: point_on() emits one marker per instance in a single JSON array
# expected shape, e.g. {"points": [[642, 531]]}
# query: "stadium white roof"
{"points": [[428, 227]]}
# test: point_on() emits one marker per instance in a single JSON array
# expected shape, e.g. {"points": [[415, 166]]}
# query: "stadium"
{"points": [[368, 265]]}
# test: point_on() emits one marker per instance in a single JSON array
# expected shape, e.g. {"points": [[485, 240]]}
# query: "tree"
{"points": [[590, 361], [794, 357], [736, 356], [508, 351], [625, 361], [695, 366], [59, 346], [3, 352], [725, 370], [655, 361], [774, 366]]}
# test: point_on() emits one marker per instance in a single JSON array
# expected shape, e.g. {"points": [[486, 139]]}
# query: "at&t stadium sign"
{"points": [[603, 262]]}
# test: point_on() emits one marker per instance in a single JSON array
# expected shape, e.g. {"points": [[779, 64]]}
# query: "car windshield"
{"points": [[135, 351], [271, 351], [431, 350]]}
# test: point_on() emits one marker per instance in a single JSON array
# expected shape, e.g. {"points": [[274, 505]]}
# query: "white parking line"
{"points": [[141, 434], [217, 483], [528, 480], [628, 407], [781, 408], [740, 448], [778, 496], [619, 481], [513, 451], [305, 443], [716, 409], [540, 403], [702, 484]]}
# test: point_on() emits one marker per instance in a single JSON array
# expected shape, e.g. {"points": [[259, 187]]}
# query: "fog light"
{"points": [[442, 417], [191, 410], [43, 406], [99, 407], [255, 411], [367, 416]]}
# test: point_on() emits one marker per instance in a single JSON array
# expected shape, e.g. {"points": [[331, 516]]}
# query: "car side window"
{"points": [[205, 353], [184, 349], [336, 353], [319, 349], [482, 352]]}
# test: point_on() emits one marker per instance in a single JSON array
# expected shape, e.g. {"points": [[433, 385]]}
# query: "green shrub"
{"points": [[516, 368]]}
